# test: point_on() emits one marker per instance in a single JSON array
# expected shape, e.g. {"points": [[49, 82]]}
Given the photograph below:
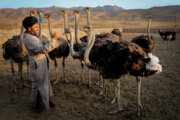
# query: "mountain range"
{"points": [[104, 13]]}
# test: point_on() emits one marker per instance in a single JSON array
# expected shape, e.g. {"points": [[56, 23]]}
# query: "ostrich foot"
{"points": [[89, 85], [29, 80], [14, 90], [80, 83], [139, 110], [114, 100], [26, 85], [115, 111], [101, 96], [101, 93], [18, 76], [65, 81], [54, 81]]}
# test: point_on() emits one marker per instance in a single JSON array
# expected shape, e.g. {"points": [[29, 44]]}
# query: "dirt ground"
{"points": [[160, 94]]}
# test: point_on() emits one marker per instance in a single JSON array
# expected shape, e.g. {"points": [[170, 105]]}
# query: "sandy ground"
{"points": [[160, 94]]}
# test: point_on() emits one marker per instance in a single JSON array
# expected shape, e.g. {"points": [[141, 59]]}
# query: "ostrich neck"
{"points": [[91, 39], [49, 25], [88, 18], [21, 33], [76, 29], [148, 29], [73, 53], [65, 22], [40, 26]]}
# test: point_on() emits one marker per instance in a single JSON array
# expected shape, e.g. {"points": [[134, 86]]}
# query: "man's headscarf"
{"points": [[29, 21]]}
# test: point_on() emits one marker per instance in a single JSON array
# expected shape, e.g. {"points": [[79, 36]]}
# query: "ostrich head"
{"points": [[39, 12], [68, 31], [76, 12], [86, 9], [47, 15], [87, 29], [148, 18], [63, 12]]}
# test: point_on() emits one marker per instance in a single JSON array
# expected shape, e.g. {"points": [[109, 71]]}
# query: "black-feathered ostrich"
{"points": [[168, 35], [145, 42], [62, 51], [15, 51], [115, 59], [115, 36]]}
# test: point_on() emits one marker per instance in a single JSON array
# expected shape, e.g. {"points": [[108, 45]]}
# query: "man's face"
{"points": [[34, 29]]}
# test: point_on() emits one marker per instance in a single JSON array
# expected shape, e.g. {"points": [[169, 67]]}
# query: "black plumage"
{"points": [[61, 51], [146, 43], [14, 49]]}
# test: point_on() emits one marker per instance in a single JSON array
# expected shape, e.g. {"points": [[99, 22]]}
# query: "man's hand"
{"points": [[55, 36]]}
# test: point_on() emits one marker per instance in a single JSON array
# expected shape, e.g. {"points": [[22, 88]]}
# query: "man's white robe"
{"points": [[38, 62]]}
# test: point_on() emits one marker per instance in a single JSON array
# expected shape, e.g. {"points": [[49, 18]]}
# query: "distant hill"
{"points": [[104, 13]]}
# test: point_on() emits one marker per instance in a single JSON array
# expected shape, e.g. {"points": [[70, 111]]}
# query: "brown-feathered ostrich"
{"points": [[115, 59], [168, 35], [15, 51], [62, 51], [146, 42]]}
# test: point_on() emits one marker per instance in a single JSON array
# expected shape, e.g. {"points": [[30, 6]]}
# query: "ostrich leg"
{"points": [[100, 80], [119, 104], [20, 72], [103, 92], [64, 71], [89, 78], [115, 93], [14, 78], [56, 69], [139, 106], [82, 73]]}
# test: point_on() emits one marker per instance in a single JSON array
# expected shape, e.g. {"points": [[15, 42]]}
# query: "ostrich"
{"points": [[15, 51], [115, 36], [79, 46], [61, 51], [168, 35], [146, 42], [116, 59]]}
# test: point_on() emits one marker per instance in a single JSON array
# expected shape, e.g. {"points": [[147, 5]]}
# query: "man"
{"points": [[41, 87]]}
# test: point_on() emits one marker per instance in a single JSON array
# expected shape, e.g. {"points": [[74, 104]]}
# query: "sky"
{"points": [[127, 4]]}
